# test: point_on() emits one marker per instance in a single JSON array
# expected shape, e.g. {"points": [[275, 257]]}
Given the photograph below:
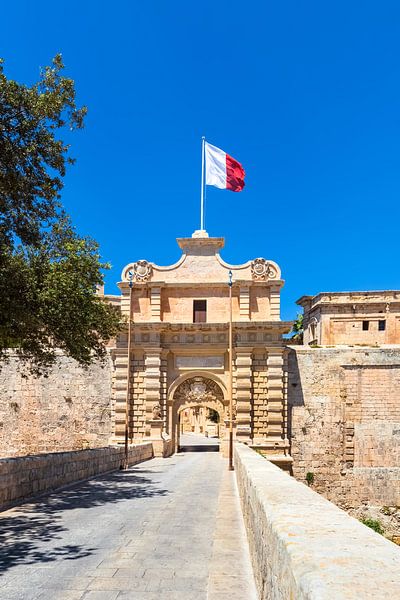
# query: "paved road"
{"points": [[165, 529], [192, 441]]}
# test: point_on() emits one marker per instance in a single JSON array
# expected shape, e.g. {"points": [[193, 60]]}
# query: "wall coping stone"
{"points": [[25, 477], [305, 547]]}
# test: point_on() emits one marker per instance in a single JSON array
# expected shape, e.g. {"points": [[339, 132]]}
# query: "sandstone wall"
{"points": [[304, 547], [70, 409], [344, 422], [27, 476]]}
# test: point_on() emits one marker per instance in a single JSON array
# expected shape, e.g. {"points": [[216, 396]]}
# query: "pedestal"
{"points": [[162, 442], [224, 445]]}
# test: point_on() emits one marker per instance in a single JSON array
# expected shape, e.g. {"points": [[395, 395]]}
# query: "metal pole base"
{"points": [[231, 467]]}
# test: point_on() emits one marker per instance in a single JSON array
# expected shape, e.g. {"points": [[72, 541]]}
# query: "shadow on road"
{"points": [[199, 448], [25, 530]]}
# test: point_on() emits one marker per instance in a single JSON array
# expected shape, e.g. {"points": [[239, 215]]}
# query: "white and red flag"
{"points": [[223, 171]]}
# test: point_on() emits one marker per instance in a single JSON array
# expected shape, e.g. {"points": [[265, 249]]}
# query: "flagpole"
{"points": [[203, 148], [230, 454]]}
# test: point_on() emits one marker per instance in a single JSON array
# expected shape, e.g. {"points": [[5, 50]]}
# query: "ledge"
{"points": [[305, 547]]}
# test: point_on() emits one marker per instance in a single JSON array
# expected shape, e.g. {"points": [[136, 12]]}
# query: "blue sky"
{"points": [[306, 95]]}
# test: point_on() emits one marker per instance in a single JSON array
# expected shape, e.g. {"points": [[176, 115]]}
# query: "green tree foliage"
{"points": [[48, 274], [297, 328]]}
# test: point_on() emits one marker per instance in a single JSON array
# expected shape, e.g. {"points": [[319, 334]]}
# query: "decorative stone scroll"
{"points": [[142, 271], [198, 389], [261, 270]]}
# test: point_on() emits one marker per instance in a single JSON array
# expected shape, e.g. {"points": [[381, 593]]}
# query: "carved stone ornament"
{"points": [[157, 412], [142, 271], [199, 389], [262, 270]]}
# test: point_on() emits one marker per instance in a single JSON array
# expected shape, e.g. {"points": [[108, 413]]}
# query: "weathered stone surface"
{"points": [[303, 546], [26, 476], [344, 422], [68, 410]]}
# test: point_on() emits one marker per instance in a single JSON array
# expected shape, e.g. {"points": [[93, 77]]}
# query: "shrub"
{"points": [[373, 524], [310, 478]]}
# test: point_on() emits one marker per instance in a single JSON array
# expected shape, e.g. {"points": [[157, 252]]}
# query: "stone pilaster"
{"points": [[136, 400], [243, 393], [155, 303], [152, 382], [138, 407], [164, 386], [244, 301], [119, 392], [275, 303], [276, 402], [260, 397]]}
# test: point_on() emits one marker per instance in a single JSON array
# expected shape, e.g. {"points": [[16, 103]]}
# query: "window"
{"points": [[365, 325], [381, 325], [199, 311]]}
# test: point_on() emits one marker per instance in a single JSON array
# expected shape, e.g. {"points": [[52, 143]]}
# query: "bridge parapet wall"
{"points": [[303, 546], [26, 476]]}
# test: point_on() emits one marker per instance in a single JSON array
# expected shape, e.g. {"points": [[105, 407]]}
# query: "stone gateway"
{"points": [[179, 345]]}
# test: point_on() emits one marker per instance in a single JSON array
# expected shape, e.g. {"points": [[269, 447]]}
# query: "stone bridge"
{"points": [[182, 528]]}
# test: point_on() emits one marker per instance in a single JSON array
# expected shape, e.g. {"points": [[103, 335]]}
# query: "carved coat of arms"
{"points": [[198, 389], [261, 270], [142, 270]]}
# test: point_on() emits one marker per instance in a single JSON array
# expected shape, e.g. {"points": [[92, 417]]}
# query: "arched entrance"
{"points": [[196, 392]]}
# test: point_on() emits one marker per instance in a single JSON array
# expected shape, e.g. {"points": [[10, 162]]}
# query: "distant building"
{"points": [[352, 318]]}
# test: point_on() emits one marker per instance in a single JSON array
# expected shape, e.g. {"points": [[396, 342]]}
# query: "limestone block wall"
{"points": [[303, 546], [23, 477], [344, 422], [70, 409]]}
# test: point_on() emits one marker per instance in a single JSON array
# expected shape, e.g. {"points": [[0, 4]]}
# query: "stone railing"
{"points": [[303, 546], [26, 476]]}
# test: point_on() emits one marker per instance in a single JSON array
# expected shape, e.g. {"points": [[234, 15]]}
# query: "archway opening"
{"points": [[200, 429], [198, 414]]}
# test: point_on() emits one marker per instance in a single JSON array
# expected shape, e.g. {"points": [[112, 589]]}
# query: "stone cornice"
{"points": [[124, 285], [161, 327], [343, 298]]}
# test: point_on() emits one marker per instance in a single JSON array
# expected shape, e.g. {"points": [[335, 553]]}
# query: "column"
{"points": [[275, 302], [120, 357], [244, 303], [276, 404], [152, 382], [155, 303], [136, 400], [243, 393]]}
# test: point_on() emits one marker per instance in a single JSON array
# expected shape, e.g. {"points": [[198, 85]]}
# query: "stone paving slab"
{"points": [[154, 531], [230, 571]]}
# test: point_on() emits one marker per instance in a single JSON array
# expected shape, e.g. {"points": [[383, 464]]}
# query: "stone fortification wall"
{"points": [[69, 410], [303, 546], [26, 476], [344, 422]]}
